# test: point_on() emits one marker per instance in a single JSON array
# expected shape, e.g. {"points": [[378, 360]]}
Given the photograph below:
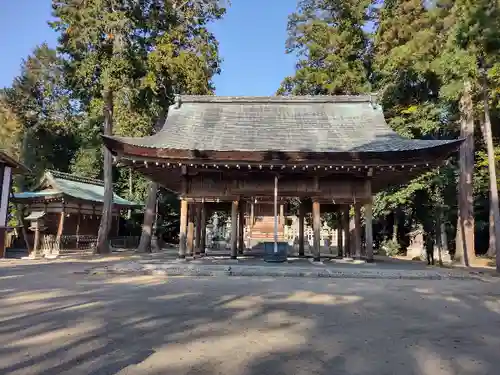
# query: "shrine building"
{"points": [[332, 151]]}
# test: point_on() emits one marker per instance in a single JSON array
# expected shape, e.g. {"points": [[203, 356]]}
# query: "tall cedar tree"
{"points": [[128, 65], [333, 49], [184, 60], [471, 45], [96, 36], [404, 49], [40, 104]]}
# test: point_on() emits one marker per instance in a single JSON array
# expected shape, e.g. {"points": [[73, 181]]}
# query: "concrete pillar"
{"points": [[357, 230], [282, 214], [182, 231], [241, 227], [317, 230], [234, 230], [302, 211]]}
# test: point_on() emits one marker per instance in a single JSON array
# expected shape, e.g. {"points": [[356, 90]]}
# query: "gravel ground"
{"points": [[54, 319]]}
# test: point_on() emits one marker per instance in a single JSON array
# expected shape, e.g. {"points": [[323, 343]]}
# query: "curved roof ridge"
{"points": [[279, 99], [72, 177]]}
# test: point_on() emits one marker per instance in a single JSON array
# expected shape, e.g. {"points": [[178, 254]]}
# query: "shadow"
{"points": [[54, 319]]}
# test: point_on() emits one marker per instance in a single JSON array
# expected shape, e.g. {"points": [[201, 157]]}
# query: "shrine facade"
{"points": [[330, 153], [70, 207], [8, 167]]}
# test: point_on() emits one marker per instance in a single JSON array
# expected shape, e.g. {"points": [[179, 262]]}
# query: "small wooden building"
{"points": [[70, 206], [8, 167], [336, 151]]}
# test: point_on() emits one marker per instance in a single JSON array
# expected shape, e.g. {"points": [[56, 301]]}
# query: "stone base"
{"points": [[276, 257]]}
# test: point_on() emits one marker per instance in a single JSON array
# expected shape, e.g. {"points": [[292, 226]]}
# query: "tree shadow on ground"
{"points": [[53, 321]]}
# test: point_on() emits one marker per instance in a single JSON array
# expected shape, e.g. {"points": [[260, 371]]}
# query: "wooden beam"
{"points": [[252, 222], [340, 239], [198, 226], [234, 230], [78, 227], [183, 227], [357, 230], [345, 229], [241, 227], [317, 230], [302, 212], [203, 228], [369, 227], [190, 230], [60, 228]]}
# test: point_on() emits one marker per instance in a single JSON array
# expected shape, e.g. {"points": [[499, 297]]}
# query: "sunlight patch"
{"points": [[322, 299]]}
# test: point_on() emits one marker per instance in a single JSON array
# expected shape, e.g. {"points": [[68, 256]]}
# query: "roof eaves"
{"points": [[13, 163]]}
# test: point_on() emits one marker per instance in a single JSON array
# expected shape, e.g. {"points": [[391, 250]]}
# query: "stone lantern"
{"points": [[37, 225]]}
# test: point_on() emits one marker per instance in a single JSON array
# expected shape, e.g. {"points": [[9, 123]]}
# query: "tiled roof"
{"points": [[294, 124], [74, 186]]}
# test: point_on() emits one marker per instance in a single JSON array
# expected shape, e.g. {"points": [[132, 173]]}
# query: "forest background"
{"points": [[118, 64]]}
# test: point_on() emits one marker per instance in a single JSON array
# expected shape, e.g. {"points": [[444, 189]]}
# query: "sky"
{"points": [[251, 36]]}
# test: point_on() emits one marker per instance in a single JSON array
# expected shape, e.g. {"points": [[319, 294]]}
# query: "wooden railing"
{"points": [[49, 243]]}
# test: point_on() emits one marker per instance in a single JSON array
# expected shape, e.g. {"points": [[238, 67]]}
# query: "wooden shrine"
{"points": [[328, 150], [71, 207], [8, 167]]}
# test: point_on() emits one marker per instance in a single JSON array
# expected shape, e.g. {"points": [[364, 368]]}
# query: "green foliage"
{"points": [[38, 109], [390, 247], [417, 57], [143, 52], [332, 47]]}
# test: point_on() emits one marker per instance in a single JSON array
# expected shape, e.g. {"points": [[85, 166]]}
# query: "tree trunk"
{"points": [[102, 246], [465, 252], [149, 217], [492, 238], [150, 209], [395, 226], [130, 192], [494, 209]]}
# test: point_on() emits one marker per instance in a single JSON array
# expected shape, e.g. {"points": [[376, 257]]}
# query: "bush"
{"points": [[391, 247]]}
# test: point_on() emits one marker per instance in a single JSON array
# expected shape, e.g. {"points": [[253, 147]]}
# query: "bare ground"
{"points": [[55, 320]]}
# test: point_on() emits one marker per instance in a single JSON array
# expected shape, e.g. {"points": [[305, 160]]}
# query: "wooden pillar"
{"points": [[250, 225], [3, 236], [241, 227], [234, 230], [118, 224], [369, 232], [369, 225], [190, 229], [345, 230], [182, 231], [203, 228], [317, 230], [60, 228], [357, 230], [302, 211], [5, 184], [78, 219], [340, 236], [198, 225]]}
